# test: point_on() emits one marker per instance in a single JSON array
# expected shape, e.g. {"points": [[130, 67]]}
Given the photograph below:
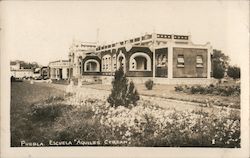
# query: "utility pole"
{"points": [[97, 36]]}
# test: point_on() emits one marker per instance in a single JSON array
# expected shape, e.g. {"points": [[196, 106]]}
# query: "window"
{"points": [[180, 61], [114, 62], [106, 62], [199, 61], [133, 64], [161, 60], [137, 39]]}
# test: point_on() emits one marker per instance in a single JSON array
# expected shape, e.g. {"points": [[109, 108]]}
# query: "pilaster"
{"points": [[170, 60]]}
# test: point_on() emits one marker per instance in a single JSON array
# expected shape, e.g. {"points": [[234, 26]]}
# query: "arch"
{"points": [[91, 65], [140, 62], [121, 61]]}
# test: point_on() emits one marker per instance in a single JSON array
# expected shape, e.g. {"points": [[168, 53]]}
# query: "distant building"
{"points": [[37, 73], [22, 73], [14, 65], [45, 72], [18, 72], [60, 69]]}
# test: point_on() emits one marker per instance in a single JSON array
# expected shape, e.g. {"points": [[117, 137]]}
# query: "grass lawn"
{"points": [[23, 95], [168, 92]]}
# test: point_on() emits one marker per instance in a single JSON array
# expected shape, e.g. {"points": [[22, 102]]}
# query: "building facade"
{"points": [[22, 73], [77, 52], [60, 69], [166, 58], [19, 72]]}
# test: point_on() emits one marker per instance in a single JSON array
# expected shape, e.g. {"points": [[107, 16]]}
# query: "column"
{"points": [[50, 72], [154, 36], [209, 65], [170, 61], [64, 73], [52, 75], [56, 73], [153, 62]]}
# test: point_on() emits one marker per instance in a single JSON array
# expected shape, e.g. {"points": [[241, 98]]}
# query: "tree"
{"points": [[28, 65], [233, 72], [123, 92], [218, 71], [220, 63]]}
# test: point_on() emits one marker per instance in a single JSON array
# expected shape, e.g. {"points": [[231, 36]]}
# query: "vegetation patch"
{"points": [[87, 121], [143, 125], [233, 90], [149, 84], [123, 93]]}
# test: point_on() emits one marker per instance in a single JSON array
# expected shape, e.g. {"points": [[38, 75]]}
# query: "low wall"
{"points": [[204, 81], [91, 79]]}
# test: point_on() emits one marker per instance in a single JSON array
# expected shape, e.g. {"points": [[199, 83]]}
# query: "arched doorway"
{"points": [[91, 66], [140, 62]]}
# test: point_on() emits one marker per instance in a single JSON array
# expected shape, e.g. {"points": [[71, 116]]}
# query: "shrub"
{"points": [[47, 113], [211, 89], [53, 99], [193, 90], [149, 84], [233, 72], [123, 93], [179, 88]]}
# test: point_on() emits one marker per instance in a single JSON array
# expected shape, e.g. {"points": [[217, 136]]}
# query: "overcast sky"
{"points": [[43, 31]]}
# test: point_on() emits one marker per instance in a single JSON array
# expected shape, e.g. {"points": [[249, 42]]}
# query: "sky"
{"points": [[43, 31]]}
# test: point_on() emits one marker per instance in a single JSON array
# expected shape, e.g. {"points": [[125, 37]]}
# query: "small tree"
{"points": [[233, 72], [149, 84], [220, 63], [132, 94], [123, 93], [218, 72]]}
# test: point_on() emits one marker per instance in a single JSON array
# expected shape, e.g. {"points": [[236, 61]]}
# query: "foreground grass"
{"points": [[23, 96], [46, 116]]}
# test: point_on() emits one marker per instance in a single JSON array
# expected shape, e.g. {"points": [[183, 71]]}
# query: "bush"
{"points": [[53, 99], [123, 93], [179, 88], [233, 72], [211, 89], [47, 113], [149, 84]]}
